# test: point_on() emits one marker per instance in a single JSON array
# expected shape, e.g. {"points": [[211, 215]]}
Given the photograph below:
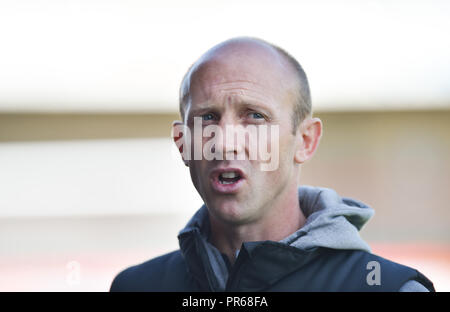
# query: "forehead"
{"points": [[241, 70]]}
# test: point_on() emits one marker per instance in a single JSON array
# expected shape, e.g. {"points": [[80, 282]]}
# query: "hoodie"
{"points": [[331, 222], [326, 254]]}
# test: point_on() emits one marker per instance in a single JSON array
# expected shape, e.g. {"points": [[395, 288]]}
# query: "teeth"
{"points": [[229, 175]]}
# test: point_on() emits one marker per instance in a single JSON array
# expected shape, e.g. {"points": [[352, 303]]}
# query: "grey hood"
{"points": [[331, 221]]}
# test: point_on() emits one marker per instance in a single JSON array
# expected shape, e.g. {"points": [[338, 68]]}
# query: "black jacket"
{"points": [[270, 266], [326, 254]]}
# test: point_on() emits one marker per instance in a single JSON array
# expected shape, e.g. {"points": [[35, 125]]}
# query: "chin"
{"points": [[231, 212]]}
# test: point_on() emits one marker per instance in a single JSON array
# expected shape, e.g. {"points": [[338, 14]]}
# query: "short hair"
{"points": [[302, 106]]}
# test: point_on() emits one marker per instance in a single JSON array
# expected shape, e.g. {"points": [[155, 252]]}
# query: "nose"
{"points": [[232, 145]]}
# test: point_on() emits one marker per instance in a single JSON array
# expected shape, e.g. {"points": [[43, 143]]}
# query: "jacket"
{"points": [[326, 254]]}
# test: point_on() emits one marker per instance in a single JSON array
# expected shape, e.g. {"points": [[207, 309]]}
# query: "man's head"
{"points": [[246, 82], [301, 104]]}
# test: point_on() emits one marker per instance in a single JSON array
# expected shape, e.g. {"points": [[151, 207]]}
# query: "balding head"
{"points": [[251, 56]]}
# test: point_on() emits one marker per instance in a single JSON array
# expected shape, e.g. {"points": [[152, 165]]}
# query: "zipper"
{"points": [[239, 265]]}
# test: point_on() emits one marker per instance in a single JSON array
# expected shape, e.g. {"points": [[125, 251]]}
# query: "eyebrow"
{"points": [[257, 106]]}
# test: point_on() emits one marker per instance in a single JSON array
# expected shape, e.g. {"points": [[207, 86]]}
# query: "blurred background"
{"points": [[90, 182]]}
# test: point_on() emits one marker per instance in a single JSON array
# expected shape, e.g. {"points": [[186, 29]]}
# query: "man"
{"points": [[259, 231]]}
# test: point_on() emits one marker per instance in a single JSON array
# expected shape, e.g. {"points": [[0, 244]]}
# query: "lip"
{"points": [[232, 188]]}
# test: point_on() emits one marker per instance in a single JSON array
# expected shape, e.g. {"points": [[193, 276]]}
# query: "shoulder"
{"points": [[387, 275], [152, 275], [413, 286]]}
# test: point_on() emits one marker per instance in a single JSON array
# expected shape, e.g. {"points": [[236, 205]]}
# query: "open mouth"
{"points": [[229, 177], [228, 180]]}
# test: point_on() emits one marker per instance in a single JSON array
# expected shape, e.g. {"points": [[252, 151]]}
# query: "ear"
{"points": [[309, 134], [179, 137]]}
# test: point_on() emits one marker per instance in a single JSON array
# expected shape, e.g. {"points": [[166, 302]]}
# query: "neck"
{"points": [[281, 220]]}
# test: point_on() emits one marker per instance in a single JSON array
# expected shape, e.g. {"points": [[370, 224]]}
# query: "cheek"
{"points": [[197, 174], [194, 174], [284, 143], [286, 154], [287, 142]]}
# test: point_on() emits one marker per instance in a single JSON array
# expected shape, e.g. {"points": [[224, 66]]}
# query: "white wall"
{"points": [[130, 55], [94, 177]]}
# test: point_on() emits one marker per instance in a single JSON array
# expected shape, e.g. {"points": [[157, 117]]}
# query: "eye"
{"points": [[256, 115], [207, 117]]}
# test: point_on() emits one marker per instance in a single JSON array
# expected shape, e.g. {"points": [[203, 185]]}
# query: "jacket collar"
{"points": [[332, 222]]}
